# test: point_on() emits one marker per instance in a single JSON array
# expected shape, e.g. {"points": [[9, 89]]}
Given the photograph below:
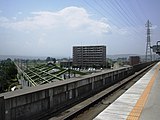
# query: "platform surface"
{"points": [[140, 102]]}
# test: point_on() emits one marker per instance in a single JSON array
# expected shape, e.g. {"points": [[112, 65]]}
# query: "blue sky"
{"points": [[52, 27]]}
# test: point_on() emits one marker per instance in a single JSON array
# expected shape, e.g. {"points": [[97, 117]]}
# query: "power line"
{"points": [[103, 8], [119, 13], [133, 12], [141, 9], [115, 13], [118, 9], [130, 11], [99, 12], [124, 14]]}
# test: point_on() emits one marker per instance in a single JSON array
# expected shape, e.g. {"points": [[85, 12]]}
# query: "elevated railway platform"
{"points": [[140, 102]]}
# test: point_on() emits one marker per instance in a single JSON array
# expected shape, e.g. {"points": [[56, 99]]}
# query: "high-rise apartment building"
{"points": [[89, 56]]}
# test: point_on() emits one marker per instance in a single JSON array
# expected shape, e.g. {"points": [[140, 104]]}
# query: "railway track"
{"points": [[92, 106]]}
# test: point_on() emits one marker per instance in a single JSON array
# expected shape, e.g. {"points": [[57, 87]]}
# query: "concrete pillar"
{"points": [[2, 108], [76, 92], [103, 81], [92, 83]]}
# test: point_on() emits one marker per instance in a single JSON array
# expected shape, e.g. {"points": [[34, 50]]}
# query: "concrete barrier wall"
{"points": [[35, 102]]}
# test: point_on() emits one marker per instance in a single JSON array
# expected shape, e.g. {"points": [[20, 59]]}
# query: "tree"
{"points": [[48, 59], [51, 59], [54, 60], [109, 63], [8, 71]]}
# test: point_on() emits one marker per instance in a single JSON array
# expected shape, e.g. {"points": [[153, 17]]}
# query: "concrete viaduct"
{"points": [[37, 102]]}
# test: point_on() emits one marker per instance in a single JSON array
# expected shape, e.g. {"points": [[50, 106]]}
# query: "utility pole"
{"points": [[148, 45]]}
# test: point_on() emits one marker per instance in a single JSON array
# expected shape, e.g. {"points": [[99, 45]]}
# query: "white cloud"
{"points": [[54, 33], [123, 31], [3, 20], [72, 18], [19, 12], [154, 27], [14, 18]]}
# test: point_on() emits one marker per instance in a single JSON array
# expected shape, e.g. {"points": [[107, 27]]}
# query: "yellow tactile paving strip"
{"points": [[137, 109]]}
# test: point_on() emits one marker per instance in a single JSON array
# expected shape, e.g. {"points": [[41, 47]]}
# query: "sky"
{"points": [[53, 27]]}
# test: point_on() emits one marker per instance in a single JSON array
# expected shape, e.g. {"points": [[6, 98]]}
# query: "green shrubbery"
{"points": [[8, 73]]}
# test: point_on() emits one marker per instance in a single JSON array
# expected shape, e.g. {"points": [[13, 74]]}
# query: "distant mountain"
{"points": [[121, 56], [115, 57], [4, 57]]}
